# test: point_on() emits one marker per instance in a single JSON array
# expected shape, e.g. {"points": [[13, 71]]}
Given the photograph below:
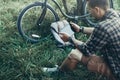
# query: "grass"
{"points": [[21, 60]]}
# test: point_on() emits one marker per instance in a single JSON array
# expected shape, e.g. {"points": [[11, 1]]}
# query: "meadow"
{"points": [[21, 60]]}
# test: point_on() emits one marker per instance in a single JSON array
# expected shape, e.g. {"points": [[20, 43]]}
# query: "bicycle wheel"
{"points": [[90, 20], [27, 22]]}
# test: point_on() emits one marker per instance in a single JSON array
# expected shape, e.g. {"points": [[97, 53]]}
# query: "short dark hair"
{"points": [[104, 4]]}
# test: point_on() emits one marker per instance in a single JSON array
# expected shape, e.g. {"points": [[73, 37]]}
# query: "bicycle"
{"points": [[32, 19]]}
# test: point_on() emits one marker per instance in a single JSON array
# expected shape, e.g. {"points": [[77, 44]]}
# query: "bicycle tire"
{"points": [[88, 20], [31, 18]]}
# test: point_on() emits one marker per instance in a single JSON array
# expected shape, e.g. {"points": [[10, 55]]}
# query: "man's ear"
{"points": [[97, 10]]}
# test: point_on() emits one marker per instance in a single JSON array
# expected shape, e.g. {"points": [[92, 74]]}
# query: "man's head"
{"points": [[98, 7]]}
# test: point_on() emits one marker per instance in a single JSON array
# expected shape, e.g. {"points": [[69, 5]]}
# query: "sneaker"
{"points": [[50, 70], [53, 72]]}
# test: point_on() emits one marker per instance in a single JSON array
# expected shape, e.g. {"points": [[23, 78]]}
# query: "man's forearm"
{"points": [[79, 45], [88, 30], [75, 41]]}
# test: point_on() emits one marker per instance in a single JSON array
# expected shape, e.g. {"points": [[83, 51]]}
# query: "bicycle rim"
{"points": [[27, 23]]}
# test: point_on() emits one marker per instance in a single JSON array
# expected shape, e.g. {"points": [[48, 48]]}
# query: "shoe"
{"points": [[50, 70], [53, 72]]}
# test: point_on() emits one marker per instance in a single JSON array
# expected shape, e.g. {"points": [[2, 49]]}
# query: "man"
{"points": [[105, 39]]}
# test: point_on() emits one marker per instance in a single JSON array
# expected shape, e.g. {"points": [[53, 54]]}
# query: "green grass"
{"points": [[21, 60]]}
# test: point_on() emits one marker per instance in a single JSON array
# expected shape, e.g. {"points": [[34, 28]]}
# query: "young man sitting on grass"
{"points": [[105, 38]]}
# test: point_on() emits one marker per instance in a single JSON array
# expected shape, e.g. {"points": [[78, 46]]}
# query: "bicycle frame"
{"points": [[70, 17], [42, 14], [43, 8], [76, 18]]}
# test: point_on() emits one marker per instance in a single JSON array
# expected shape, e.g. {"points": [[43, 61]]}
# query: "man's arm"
{"points": [[86, 30], [75, 41], [96, 41], [66, 38]]}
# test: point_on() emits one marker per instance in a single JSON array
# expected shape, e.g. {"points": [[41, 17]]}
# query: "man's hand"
{"points": [[75, 27], [64, 36]]}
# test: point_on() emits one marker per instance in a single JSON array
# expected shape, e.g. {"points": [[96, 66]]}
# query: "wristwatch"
{"points": [[81, 29]]}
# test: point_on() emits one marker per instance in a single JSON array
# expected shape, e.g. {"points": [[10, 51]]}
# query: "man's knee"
{"points": [[75, 54]]}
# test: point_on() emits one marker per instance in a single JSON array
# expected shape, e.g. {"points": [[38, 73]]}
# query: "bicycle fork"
{"points": [[42, 15]]}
